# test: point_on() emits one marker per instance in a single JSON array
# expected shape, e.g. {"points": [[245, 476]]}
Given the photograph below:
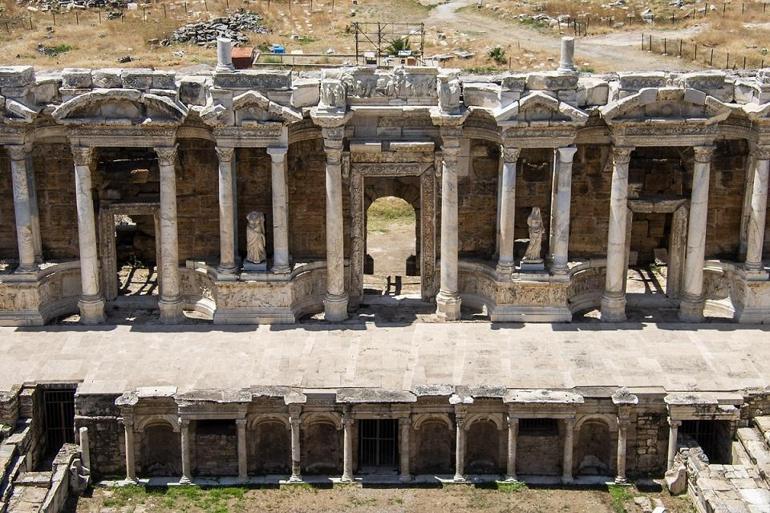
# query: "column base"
{"points": [[91, 310], [613, 308], [691, 309], [346, 479], [296, 479], [756, 274], [567, 479], [405, 478], [619, 480], [459, 479], [448, 306], [171, 311], [504, 271], [281, 269], [335, 307], [185, 481]]}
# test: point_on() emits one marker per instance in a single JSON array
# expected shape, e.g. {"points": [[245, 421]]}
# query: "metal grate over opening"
{"points": [[378, 443], [59, 407]]}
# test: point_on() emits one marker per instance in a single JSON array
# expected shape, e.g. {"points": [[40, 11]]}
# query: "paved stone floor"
{"points": [[316, 355]]}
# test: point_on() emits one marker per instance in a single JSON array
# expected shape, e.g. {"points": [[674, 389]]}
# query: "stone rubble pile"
{"points": [[234, 27], [47, 5]]}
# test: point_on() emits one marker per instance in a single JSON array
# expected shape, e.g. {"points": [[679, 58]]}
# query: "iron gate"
{"points": [[59, 407], [378, 443]]}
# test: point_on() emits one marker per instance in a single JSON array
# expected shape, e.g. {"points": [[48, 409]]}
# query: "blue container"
{"points": [[279, 49]]}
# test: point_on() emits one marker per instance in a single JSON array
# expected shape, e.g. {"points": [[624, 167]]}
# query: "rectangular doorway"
{"points": [[378, 445], [59, 419]]}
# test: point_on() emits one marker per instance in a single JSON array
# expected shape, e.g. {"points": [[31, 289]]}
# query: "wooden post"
{"points": [[727, 61], [665, 46], [99, 12], [54, 17], [650, 45], [642, 41], [695, 55], [164, 11], [77, 18], [711, 59], [744, 62]]}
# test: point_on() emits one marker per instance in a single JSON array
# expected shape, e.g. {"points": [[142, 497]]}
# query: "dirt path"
{"points": [[614, 51]]}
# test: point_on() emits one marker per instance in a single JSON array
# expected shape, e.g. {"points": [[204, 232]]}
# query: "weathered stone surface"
{"points": [[192, 90], [481, 95], [592, 92], [137, 79], [76, 78], [16, 76], [164, 80], [107, 78], [305, 93], [254, 79], [676, 480]]}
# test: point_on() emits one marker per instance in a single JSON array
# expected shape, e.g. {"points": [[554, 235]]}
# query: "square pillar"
{"points": [[448, 299], [184, 428], [280, 210], [128, 426], [613, 305], [506, 201], [692, 302], [569, 443], [560, 210], [755, 228], [336, 299], [91, 303], [294, 422], [23, 208], [513, 440], [347, 447], [226, 210], [405, 428], [170, 302], [243, 463]]}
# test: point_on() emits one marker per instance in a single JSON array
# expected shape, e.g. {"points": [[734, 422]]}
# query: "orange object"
{"points": [[243, 57]]}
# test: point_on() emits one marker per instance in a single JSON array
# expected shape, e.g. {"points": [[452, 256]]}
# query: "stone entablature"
{"points": [[408, 121]]}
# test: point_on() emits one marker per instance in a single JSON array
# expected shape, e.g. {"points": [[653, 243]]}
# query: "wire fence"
{"points": [[702, 54]]}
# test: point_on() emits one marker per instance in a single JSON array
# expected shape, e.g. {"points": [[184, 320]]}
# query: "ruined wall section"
{"points": [[197, 191], [726, 186], [105, 434], [8, 248], [589, 208], [307, 204]]}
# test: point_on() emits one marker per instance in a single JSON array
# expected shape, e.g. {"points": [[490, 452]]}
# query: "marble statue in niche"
{"points": [[533, 260], [256, 254]]}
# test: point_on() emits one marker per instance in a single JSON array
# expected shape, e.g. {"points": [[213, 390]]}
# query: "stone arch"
{"points": [[422, 418], [126, 106], [329, 417], [269, 445], [321, 444], [161, 453], [594, 445], [666, 103], [434, 445], [482, 450], [146, 421]]}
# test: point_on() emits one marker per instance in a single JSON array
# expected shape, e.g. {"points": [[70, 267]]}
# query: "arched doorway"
{"points": [[434, 448], [391, 268], [161, 451], [269, 448], [482, 452], [593, 453]]}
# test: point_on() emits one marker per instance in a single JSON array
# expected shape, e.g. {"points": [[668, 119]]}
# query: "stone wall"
{"points": [[589, 209], [105, 434], [55, 180], [647, 449], [197, 190], [307, 205], [726, 187], [477, 202], [254, 192], [214, 448], [8, 248]]}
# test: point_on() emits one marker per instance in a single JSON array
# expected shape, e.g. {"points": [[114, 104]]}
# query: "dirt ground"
{"points": [[369, 500]]}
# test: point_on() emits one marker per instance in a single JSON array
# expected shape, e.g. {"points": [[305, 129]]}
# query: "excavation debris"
{"points": [[234, 27]]}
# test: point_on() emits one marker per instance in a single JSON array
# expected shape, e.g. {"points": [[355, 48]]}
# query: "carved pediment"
{"points": [[666, 104], [757, 112], [120, 107], [13, 112], [250, 109], [538, 109]]}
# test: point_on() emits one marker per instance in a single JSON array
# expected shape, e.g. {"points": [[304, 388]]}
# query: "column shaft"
{"points": [[459, 449], [22, 206], [347, 449], [280, 211], [185, 446], [405, 427], [691, 305], [226, 210], [128, 425], [569, 442], [758, 211], [170, 302], [560, 211], [243, 462], [621, 464], [448, 299], [336, 300], [613, 303], [513, 440], [91, 303], [673, 434], [294, 422], [507, 212]]}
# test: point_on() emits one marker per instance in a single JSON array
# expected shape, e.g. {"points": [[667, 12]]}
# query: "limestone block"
{"points": [[137, 79], [514, 83], [108, 78], [750, 91], [16, 76], [482, 95], [763, 76], [192, 90], [637, 81], [164, 80], [168, 93], [253, 79], [76, 78], [568, 96], [46, 90], [552, 81], [712, 83], [592, 92], [305, 93], [676, 479], [68, 93]]}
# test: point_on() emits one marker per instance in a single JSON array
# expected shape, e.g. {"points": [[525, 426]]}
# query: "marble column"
{"points": [[22, 207], [91, 303], [184, 428], [448, 298], [170, 302], [560, 210], [243, 462], [692, 302], [620, 476], [336, 299], [673, 434], [569, 443], [513, 440], [347, 448], [226, 210], [294, 422], [128, 426], [613, 304], [459, 448], [405, 428], [755, 233], [280, 210], [507, 213]]}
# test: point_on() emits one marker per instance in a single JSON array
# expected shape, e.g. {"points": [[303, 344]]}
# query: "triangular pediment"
{"points": [[757, 112], [666, 104], [251, 107], [13, 112], [120, 107], [539, 108]]}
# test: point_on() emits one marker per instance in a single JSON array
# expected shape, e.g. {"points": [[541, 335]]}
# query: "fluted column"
{"points": [[569, 443], [294, 422], [507, 212], [405, 428], [673, 434], [620, 476], [128, 426], [170, 302], [613, 303], [243, 462], [226, 210], [513, 440], [91, 303], [692, 302], [280, 210], [757, 214], [184, 428], [22, 207], [448, 299], [336, 299], [560, 211], [459, 448], [347, 448]]}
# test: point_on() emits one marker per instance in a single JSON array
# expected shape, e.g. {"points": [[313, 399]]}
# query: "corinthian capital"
{"points": [[17, 152], [703, 154], [761, 152], [511, 154], [166, 155], [225, 154], [82, 155], [622, 154]]}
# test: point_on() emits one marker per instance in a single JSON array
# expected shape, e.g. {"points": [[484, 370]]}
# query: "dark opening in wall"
{"points": [[713, 436], [538, 427], [59, 419]]}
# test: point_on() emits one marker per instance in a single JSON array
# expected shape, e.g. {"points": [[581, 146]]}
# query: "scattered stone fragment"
{"points": [[233, 27]]}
